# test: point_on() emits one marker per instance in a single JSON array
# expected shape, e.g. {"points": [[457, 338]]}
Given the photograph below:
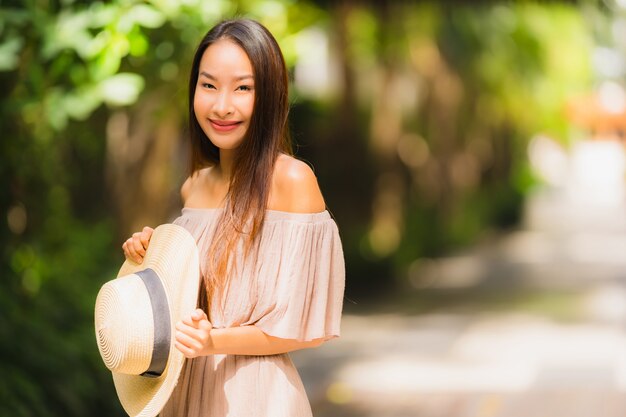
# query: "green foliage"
{"points": [[64, 67], [67, 66], [50, 361], [463, 89]]}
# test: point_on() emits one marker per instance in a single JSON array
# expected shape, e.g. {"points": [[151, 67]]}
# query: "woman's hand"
{"points": [[193, 335], [136, 245]]}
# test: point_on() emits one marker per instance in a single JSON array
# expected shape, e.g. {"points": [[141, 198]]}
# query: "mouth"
{"points": [[224, 126]]}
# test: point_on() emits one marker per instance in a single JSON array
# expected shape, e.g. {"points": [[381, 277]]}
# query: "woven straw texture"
{"points": [[173, 255]]}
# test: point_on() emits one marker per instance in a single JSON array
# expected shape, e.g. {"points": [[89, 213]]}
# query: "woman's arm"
{"points": [[196, 337], [250, 340]]}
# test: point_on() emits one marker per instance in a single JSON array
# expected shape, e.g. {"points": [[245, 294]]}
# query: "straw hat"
{"points": [[135, 315]]}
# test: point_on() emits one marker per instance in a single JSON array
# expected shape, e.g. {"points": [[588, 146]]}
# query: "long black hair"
{"points": [[266, 137]]}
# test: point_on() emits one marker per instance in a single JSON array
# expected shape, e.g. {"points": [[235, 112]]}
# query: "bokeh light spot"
{"points": [[339, 393], [17, 219]]}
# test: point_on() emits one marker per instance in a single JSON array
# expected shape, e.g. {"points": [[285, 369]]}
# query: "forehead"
{"points": [[225, 58]]}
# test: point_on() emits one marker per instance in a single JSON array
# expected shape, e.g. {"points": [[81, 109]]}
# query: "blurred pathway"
{"points": [[529, 324]]}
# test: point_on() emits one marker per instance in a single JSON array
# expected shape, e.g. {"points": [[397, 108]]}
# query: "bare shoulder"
{"points": [[191, 183], [295, 188]]}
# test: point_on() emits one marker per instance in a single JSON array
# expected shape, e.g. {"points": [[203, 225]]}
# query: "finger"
{"points": [[132, 253], [194, 337], [145, 236], [197, 324], [188, 353], [187, 329], [189, 322], [198, 314], [188, 341], [139, 248], [181, 325], [205, 325]]}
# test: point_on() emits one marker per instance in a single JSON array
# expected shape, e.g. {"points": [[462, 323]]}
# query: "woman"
{"points": [[271, 259]]}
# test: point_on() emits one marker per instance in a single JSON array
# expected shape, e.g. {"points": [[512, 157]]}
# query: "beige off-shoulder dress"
{"points": [[291, 286]]}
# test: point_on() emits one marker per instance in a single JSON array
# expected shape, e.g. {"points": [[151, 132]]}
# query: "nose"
{"points": [[223, 106]]}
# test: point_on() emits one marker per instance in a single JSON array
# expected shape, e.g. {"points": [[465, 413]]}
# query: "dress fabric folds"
{"points": [[290, 286]]}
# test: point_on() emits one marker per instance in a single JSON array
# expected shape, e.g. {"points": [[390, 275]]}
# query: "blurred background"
{"points": [[472, 154]]}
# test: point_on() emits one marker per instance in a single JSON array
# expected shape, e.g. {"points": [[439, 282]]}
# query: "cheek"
{"points": [[199, 105], [249, 106]]}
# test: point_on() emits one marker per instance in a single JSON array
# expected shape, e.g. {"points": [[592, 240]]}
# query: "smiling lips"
{"points": [[224, 126]]}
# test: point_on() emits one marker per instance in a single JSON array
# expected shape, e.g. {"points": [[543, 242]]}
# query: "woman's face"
{"points": [[224, 97]]}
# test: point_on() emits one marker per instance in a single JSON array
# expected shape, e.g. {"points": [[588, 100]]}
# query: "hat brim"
{"points": [[173, 255]]}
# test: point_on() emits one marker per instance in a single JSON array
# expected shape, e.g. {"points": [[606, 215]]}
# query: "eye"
{"points": [[207, 85], [244, 88]]}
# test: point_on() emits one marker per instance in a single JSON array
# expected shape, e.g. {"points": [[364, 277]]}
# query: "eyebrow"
{"points": [[240, 78]]}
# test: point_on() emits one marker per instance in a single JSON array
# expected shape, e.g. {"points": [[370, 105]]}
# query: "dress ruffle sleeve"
{"points": [[300, 277], [291, 286]]}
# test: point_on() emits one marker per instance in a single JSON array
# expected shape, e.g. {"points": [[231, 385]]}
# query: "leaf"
{"points": [[147, 16], [9, 54], [54, 109], [67, 31], [121, 89], [82, 102], [138, 43], [110, 58]]}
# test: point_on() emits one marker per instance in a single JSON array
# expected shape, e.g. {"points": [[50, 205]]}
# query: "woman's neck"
{"points": [[227, 157]]}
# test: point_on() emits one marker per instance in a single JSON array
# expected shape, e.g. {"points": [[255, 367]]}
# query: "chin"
{"points": [[225, 144]]}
